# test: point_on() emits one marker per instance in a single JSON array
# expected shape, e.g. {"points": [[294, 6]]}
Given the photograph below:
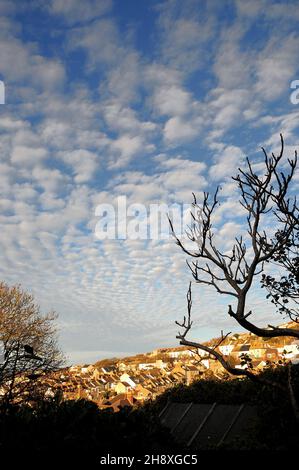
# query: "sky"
{"points": [[151, 100]]}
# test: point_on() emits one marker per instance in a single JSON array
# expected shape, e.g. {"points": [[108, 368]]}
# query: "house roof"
{"points": [[192, 368], [126, 384]]}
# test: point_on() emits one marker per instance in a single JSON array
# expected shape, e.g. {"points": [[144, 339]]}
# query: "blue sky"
{"points": [[147, 99]]}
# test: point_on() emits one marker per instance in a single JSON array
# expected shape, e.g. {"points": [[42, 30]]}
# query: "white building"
{"points": [[126, 378], [226, 349], [180, 353], [289, 351], [159, 364]]}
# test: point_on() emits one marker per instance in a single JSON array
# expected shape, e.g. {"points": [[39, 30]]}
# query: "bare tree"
{"points": [[265, 198], [29, 344]]}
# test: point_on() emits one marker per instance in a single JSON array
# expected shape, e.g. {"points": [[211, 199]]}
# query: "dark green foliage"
{"points": [[283, 291]]}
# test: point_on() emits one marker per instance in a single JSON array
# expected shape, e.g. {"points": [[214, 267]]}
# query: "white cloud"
{"points": [[172, 100], [175, 163], [123, 118], [227, 164], [83, 162], [126, 147], [178, 129], [232, 67], [50, 180], [20, 61], [8, 123], [88, 38], [75, 11], [185, 31], [123, 80], [28, 156], [276, 67]]}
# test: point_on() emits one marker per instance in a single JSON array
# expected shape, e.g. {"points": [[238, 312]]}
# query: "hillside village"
{"points": [[116, 383]]}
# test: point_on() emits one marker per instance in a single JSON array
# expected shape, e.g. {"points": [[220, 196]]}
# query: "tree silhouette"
{"points": [[29, 344], [266, 199]]}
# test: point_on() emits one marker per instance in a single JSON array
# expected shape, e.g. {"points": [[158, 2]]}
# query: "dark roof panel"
{"points": [[215, 426], [243, 424], [190, 423], [173, 414], [202, 426]]}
